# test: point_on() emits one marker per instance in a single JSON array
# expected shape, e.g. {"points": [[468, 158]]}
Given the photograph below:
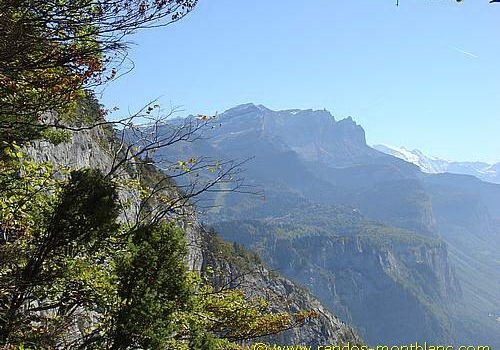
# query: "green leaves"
{"points": [[55, 251], [153, 287]]}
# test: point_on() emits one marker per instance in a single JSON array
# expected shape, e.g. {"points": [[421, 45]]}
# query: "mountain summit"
{"points": [[314, 135]]}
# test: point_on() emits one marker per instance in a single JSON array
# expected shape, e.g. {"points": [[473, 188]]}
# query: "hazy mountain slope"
{"points": [[434, 165], [309, 166], [325, 160], [468, 217]]}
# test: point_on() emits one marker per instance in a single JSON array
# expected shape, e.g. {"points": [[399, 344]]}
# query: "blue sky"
{"points": [[424, 75]]}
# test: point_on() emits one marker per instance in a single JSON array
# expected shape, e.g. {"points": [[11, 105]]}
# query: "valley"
{"points": [[399, 254]]}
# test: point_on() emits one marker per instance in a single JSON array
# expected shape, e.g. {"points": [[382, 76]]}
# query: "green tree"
{"points": [[153, 288], [58, 261], [164, 306]]}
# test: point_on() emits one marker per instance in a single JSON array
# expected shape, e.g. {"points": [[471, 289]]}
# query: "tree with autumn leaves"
{"points": [[52, 50], [73, 273]]}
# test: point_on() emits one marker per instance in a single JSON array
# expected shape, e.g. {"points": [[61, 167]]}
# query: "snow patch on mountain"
{"points": [[435, 165], [432, 165]]}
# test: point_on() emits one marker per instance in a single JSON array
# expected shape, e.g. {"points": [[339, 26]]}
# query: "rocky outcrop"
{"points": [[236, 267], [395, 288]]}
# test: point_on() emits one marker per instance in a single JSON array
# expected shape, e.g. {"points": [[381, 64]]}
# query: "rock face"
{"points": [[314, 135], [91, 149], [393, 287], [257, 280], [87, 149]]}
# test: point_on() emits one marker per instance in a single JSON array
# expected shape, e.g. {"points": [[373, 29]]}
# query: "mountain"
{"points": [[433, 165], [378, 241], [313, 135], [311, 153]]}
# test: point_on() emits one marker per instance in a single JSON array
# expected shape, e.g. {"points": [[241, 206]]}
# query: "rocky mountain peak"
{"points": [[245, 109], [314, 135]]}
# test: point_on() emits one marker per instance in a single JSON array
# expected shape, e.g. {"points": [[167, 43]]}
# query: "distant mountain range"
{"points": [[400, 254], [434, 165]]}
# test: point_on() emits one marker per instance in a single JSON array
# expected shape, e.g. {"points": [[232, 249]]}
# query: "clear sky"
{"points": [[423, 75]]}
